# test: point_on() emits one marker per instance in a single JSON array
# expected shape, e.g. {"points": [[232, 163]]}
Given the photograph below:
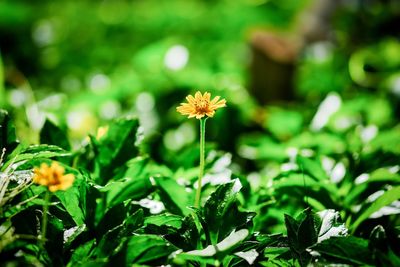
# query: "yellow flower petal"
{"points": [[201, 105], [210, 114], [215, 100], [191, 99], [53, 177], [207, 96], [198, 96]]}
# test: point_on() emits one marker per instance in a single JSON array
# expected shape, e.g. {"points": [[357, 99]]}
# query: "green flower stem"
{"points": [[44, 217], [201, 167]]}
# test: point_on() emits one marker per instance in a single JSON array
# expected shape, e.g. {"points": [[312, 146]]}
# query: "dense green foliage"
{"points": [[315, 180], [125, 208]]}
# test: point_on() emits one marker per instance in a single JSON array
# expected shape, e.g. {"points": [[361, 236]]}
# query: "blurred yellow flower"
{"points": [[201, 105], [101, 131], [53, 177]]}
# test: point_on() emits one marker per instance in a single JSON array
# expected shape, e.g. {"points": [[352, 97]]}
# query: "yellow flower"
{"points": [[101, 131], [53, 177], [201, 105]]}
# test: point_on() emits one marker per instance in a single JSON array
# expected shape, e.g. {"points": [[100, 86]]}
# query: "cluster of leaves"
{"points": [[126, 209], [335, 166], [351, 168]]}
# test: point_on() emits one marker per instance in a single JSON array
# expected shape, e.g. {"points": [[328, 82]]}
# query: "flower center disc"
{"points": [[202, 106]]}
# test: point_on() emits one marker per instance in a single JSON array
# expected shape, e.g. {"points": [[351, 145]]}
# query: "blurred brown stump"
{"points": [[274, 55], [272, 67]]}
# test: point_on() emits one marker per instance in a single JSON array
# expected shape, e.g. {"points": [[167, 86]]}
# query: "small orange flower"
{"points": [[53, 177], [201, 105]]}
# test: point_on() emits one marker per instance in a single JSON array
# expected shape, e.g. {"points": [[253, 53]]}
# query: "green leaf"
{"points": [[293, 122], [387, 141], [127, 189], [165, 219], [113, 218], [82, 254], [42, 151], [312, 167], [302, 233], [147, 248], [347, 249], [386, 199], [375, 181], [70, 235], [54, 243], [278, 241], [260, 147], [378, 239], [227, 244], [134, 221], [383, 175], [250, 256], [134, 184], [174, 196], [276, 252], [379, 111], [51, 134], [88, 197], [137, 167], [8, 139], [221, 213], [2, 89], [280, 263], [116, 147], [393, 258], [70, 199], [323, 143], [111, 243], [23, 153], [187, 236], [330, 225], [300, 185]]}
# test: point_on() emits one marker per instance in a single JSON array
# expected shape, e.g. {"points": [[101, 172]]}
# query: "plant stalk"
{"points": [[44, 217], [201, 167]]}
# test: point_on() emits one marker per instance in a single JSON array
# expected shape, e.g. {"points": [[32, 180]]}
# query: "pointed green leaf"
{"points": [[70, 199], [51, 134], [234, 239], [330, 225], [116, 147], [387, 198], [8, 139], [348, 249], [174, 196], [146, 248]]}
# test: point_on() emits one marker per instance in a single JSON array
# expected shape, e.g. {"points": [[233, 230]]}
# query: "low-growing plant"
{"points": [[124, 208]]}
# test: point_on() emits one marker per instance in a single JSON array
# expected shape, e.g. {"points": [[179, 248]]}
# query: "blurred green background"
{"points": [[312, 90], [83, 63]]}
